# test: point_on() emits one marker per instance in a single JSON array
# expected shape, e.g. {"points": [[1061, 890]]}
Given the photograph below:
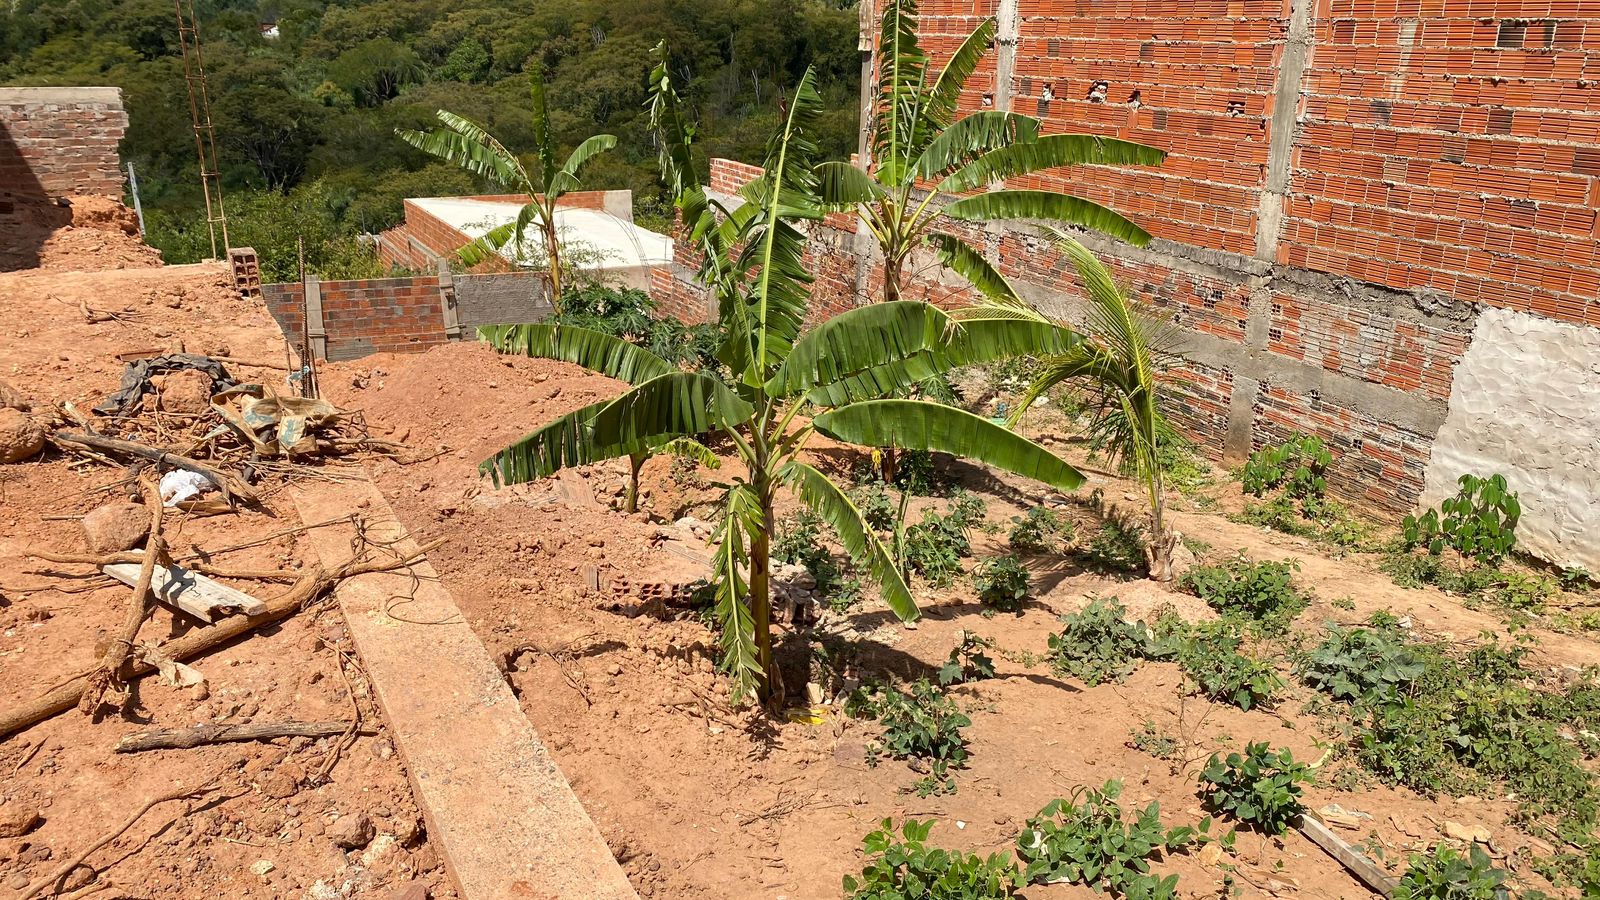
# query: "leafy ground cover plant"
{"points": [[799, 542], [1002, 584], [934, 547], [1083, 839], [1098, 644], [1445, 874], [968, 662], [1438, 720], [1298, 466], [1263, 592], [904, 867], [1259, 786], [923, 726], [1211, 655], [1152, 740], [878, 509], [1479, 522], [1041, 530], [1361, 664]]}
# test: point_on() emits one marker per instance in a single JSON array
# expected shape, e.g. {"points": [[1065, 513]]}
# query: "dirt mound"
{"points": [[88, 233]]}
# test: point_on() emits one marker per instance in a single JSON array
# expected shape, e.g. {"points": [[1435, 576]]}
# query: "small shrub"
{"points": [[1099, 644], [1040, 531], [905, 868], [1479, 522], [969, 511], [1082, 839], [1117, 548], [1446, 875], [967, 661], [1361, 664], [933, 548], [924, 725], [914, 472], [844, 593], [877, 508], [800, 543], [1002, 584], [1260, 786], [1263, 592], [1154, 741], [1211, 657], [1297, 465]]}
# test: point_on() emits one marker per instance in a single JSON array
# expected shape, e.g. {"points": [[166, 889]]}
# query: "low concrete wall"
{"points": [[498, 298], [1526, 404]]}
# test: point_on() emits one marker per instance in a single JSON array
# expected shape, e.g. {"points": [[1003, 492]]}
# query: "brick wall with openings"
{"points": [[1348, 184]]}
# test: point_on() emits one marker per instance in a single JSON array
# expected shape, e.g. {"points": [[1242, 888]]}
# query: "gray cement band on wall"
{"points": [[1526, 404], [499, 298]]}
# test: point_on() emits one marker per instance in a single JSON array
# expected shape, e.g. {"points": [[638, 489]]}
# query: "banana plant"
{"points": [[1123, 362], [785, 386], [467, 144], [922, 157]]}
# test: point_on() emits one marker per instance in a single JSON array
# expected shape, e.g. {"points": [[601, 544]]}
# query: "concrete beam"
{"points": [[503, 817], [1285, 119]]}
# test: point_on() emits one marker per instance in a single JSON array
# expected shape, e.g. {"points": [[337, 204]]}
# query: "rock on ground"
{"points": [[187, 392], [20, 436], [351, 832], [12, 398], [115, 527]]}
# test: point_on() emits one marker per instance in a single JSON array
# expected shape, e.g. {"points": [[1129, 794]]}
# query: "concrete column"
{"points": [[1008, 25], [315, 333], [447, 302], [1285, 127]]}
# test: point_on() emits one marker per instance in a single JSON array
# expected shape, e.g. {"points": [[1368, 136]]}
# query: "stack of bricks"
{"points": [[246, 271], [1348, 183]]}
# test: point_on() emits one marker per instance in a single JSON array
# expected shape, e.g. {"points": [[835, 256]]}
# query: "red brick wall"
{"points": [[56, 141], [395, 315]]}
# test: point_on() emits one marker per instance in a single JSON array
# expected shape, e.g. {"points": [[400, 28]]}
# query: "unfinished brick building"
{"points": [[1376, 223]]}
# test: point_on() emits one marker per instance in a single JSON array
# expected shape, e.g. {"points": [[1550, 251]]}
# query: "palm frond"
{"points": [[919, 425], [469, 146], [836, 508], [736, 625], [857, 341], [945, 94], [961, 258], [690, 449], [1050, 206], [593, 350], [971, 137], [566, 178], [1048, 152], [902, 72], [841, 185], [543, 144]]}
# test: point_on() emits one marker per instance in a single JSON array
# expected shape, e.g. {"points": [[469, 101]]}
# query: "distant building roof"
{"points": [[617, 242]]}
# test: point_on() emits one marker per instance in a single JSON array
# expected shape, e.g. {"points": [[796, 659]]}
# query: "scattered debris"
{"points": [[137, 380], [205, 735], [1370, 873], [113, 527]]}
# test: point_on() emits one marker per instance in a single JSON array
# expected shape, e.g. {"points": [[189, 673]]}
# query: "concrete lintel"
{"points": [[1286, 91], [502, 815], [18, 96]]}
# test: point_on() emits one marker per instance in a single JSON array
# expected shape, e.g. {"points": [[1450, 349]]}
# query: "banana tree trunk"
{"points": [[552, 251], [636, 462]]}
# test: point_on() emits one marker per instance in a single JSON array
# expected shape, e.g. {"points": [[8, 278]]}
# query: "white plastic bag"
{"points": [[181, 484]]}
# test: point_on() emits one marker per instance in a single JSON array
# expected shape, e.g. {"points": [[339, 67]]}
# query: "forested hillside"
{"points": [[305, 120]]}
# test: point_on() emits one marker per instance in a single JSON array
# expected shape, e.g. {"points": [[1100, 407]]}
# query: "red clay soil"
{"points": [[271, 831], [700, 801], [89, 234]]}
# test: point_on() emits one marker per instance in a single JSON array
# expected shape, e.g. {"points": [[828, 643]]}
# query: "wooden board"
{"points": [[1374, 877], [191, 592]]}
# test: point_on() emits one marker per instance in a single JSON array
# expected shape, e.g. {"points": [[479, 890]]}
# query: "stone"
{"points": [[79, 877], [412, 890], [20, 436], [187, 391], [16, 821], [261, 867], [114, 527], [12, 398], [351, 832], [1459, 832]]}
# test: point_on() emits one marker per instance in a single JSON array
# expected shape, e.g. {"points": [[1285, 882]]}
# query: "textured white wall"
{"points": [[1525, 402]]}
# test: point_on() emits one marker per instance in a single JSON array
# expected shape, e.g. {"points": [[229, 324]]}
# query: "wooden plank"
{"points": [[1365, 869], [191, 592], [502, 815]]}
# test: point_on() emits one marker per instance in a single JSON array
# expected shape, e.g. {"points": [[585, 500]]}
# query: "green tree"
{"points": [[1123, 361], [754, 268], [922, 156], [462, 142]]}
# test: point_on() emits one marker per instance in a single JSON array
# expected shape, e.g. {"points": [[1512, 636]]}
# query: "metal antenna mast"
{"points": [[205, 137]]}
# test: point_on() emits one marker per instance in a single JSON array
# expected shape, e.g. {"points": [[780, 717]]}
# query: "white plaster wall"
{"points": [[1525, 402]]}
